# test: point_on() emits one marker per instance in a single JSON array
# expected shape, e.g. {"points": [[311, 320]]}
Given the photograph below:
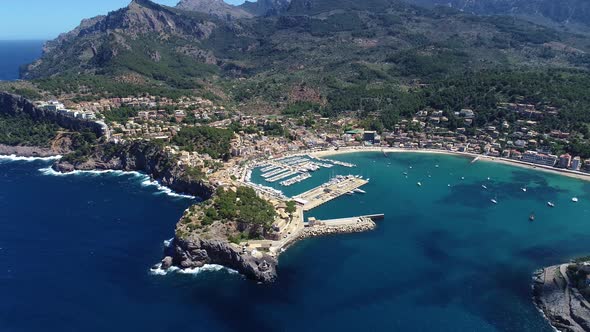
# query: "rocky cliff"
{"points": [[142, 156], [195, 251], [561, 303], [13, 104]]}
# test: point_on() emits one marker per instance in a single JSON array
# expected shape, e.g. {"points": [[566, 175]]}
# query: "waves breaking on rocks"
{"points": [[157, 269], [13, 157], [146, 181]]}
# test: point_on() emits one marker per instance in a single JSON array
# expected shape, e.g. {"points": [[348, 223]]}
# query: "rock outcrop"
{"points": [[13, 104], [563, 305], [196, 251], [142, 156]]}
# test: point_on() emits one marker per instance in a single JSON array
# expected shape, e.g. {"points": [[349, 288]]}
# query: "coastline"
{"points": [[500, 160]]}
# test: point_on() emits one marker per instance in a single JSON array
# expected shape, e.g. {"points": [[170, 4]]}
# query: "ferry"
{"points": [[551, 204], [575, 199]]}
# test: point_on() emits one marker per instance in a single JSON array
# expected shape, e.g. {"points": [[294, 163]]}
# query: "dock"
{"points": [[343, 221], [329, 191]]}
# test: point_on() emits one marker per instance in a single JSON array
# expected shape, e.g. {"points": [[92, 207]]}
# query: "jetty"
{"points": [[341, 185], [343, 221]]}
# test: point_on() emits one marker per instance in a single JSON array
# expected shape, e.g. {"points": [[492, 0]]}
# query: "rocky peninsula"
{"points": [[558, 291]]}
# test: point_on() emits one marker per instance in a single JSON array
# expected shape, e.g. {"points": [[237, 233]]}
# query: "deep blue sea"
{"points": [[13, 54], [75, 253]]}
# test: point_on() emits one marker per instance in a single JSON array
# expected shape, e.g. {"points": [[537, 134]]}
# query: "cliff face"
{"points": [[195, 251], [13, 104], [561, 303], [140, 156]]}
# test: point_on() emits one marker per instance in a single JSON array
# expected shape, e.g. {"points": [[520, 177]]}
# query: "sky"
{"points": [[46, 19]]}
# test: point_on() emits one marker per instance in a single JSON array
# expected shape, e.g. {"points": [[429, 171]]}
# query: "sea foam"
{"points": [[145, 180], [157, 269], [13, 157]]}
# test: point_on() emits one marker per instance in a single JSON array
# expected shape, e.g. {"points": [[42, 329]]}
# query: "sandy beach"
{"points": [[511, 162]]}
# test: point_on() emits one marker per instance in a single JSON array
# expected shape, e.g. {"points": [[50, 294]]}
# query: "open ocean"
{"points": [[75, 253], [15, 53]]}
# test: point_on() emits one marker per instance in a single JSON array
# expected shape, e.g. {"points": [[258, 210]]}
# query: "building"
{"points": [[565, 161], [576, 164], [369, 136], [539, 158]]}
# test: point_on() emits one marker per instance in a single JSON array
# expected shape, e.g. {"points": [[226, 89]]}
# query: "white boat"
{"points": [[419, 184], [349, 193], [575, 199], [448, 185], [489, 179], [551, 204], [368, 179], [462, 178], [524, 189], [493, 200], [360, 191], [484, 186], [436, 166]]}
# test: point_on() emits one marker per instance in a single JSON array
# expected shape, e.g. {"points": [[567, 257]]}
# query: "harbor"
{"points": [[338, 186]]}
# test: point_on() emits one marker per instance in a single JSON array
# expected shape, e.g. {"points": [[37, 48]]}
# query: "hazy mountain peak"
{"points": [[214, 7]]}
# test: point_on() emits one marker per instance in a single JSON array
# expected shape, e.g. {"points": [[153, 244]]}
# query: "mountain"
{"points": [[302, 50], [214, 7], [566, 13], [266, 7]]}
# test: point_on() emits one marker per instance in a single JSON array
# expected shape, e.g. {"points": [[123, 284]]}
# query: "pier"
{"points": [[343, 221], [329, 191]]}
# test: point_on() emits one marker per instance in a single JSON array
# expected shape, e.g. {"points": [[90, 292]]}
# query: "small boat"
{"points": [[532, 217], [489, 179], [493, 200], [350, 193], [368, 179], [429, 175], [360, 191], [436, 166], [551, 204], [575, 199], [523, 189], [405, 173], [484, 186], [419, 184], [449, 185], [462, 178]]}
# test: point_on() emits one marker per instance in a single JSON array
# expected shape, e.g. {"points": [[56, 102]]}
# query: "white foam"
{"points": [[157, 270], [145, 180], [163, 189], [13, 157], [168, 242]]}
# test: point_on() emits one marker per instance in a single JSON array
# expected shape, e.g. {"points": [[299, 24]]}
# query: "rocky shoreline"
{"points": [[27, 151], [317, 231], [561, 303]]}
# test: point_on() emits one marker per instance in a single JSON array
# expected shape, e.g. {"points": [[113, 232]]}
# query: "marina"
{"points": [[338, 186]]}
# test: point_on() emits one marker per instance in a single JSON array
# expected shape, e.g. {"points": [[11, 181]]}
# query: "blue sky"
{"points": [[45, 19]]}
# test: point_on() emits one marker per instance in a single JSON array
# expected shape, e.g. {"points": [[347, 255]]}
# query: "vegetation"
{"points": [[83, 144], [22, 129], [213, 141], [243, 206]]}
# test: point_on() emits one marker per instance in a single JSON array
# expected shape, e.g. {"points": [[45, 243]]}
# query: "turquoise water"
{"points": [[75, 253]]}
